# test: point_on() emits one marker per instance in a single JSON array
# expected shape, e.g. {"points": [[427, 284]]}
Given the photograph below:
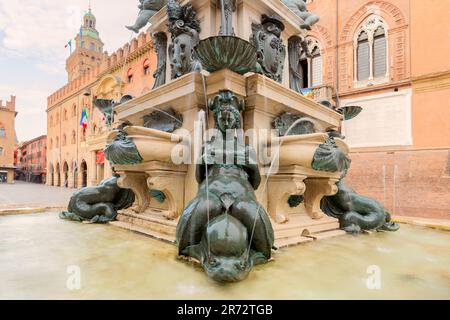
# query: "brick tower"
{"points": [[89, 49]]}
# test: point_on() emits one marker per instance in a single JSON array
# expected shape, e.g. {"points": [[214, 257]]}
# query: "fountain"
{"points": [[268, 162]]}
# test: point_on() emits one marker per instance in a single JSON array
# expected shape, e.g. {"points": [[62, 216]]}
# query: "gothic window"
{"points": [[74, 137], [316, 68], [51, 121], [379, 53], [51, 144], [64, 141], [92, 47], [2, 132], [74, 110], [1, 151], [65, 114], [371, 50], [363, 59], [57, 117], [57, 142], [83, 134], [311, 65]]}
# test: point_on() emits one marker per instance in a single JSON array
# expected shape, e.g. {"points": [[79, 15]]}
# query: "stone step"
{"points": [[153, 223], [144, 231], [328, 234], [291, 241], [305, 230], [303, 220]]}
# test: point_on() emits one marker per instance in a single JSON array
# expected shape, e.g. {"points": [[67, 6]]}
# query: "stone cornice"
{"points": [[431, 82]]}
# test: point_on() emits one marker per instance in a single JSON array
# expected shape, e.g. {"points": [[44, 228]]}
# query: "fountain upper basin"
{"points": [[300, 149], [152, 145]]}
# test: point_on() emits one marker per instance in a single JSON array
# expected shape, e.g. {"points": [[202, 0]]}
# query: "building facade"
{"points": [[387, 57], [7, 140], [32, 160], [75, 152]]}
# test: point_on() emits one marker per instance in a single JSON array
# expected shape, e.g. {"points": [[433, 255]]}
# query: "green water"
{"points": [[36, 251]]}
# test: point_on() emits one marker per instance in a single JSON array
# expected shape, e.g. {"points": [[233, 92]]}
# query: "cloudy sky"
{"points": [[32, 54]]}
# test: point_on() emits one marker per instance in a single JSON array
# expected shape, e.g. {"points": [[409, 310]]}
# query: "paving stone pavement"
{"points": [[22, 195]]}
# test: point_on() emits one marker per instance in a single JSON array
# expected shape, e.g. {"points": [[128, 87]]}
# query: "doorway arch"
{"points": [[83, 172], [58, 175], [66, 174]]}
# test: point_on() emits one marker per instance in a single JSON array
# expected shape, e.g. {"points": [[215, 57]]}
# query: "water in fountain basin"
{"points": [[36, 250]]}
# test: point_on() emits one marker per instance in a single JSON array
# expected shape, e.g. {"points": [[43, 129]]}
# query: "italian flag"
{"points": [[69, 44], [84, 119]]}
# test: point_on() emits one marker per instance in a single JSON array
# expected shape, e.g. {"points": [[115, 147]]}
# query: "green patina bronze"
{"points": [[357, 213], [158, 195], [160, 44], [184, 27], [164, 120], [330, 158], [122, 150], [106, 108], [226, 52], [271, 52], [148, 8], [98, 204], [295, 200], [350, 112], [300, 9], [290, 124], [224, 227]]}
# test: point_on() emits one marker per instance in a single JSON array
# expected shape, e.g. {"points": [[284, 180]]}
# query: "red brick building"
{"points": [[391, 58], [32, 157]]}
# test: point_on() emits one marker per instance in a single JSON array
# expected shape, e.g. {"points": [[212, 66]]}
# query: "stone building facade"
{"points": [[390, 58], [7, 139], [32, 159], [75, 154]]}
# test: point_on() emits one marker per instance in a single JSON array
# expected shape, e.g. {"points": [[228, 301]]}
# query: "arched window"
{"points": [[363, 59], [57, 142], [379, 53], [1, 151], [2, 131], [74, 110], [51, 144], [316, 68], [64, 141], [130, 75], [309, 68], [74, 137], [146, 66], [371, 50], [57, 117], [51, 121], [83, 134], [65, 115]]}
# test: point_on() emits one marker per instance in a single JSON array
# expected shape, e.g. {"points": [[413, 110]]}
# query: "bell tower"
{"points": [[88, 53]]}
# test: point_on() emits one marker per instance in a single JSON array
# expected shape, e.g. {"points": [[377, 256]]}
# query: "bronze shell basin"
{"points": [[152, 145], [299, 150], [226, 52]]}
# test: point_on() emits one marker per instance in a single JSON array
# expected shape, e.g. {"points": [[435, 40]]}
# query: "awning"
{"points": [[100, 157]]}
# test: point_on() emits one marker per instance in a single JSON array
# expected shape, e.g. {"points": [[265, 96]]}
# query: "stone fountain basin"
{"points": [[299, 150], [153, 145]]}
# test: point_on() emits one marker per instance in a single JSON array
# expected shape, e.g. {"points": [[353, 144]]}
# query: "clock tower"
{"points": [[88, 53]]}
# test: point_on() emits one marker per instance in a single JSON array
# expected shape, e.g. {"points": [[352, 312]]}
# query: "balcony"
{"points": [[324, 92]]}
